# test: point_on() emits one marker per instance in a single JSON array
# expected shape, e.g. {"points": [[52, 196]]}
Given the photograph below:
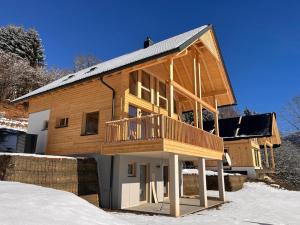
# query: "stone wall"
{"points": [[191, 183], [76, 175]]}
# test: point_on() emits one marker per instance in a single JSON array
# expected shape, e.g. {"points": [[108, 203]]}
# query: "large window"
{"points": [[146, 92], [140, 84], [91, 123], [133, 79]]}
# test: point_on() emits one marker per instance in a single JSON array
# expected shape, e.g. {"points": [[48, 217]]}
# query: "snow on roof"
{"points": [[167, 46], [17, 125]]}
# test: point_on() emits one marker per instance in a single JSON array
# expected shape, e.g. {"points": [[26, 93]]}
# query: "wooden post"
{"points": [[202, 182], [181, 178], [266, 156], [196, 118], [200, 94], [174, 185], [170, 90], [216, 117], [139, 84], [221, 183], [272, 157]]}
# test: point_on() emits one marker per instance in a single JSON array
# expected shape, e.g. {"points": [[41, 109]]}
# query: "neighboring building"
{"points": [[16, 141], [246, 140], [126, 112]]}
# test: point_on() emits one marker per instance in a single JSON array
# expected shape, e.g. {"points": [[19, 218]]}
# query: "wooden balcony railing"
{"points": [[160, 126]]}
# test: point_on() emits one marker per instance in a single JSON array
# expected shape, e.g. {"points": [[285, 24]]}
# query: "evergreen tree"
{"points": [[24, 44]]}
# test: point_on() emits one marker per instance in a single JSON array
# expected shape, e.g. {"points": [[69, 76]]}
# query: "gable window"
{"points": [[62, 122], [133, 80], [91, 123], [146, 93]]}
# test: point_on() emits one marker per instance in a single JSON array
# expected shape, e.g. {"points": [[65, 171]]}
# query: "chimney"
{"points": [[148, 42]]}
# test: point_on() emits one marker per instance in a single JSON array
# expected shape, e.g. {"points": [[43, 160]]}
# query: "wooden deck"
{"points": [[187, 206], [160, 133]]}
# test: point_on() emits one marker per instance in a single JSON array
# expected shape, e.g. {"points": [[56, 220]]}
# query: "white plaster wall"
{"points": [[126, 189], [35, 126]]}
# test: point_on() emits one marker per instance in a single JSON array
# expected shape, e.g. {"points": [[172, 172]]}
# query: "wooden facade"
{"points": [[194, 79]]}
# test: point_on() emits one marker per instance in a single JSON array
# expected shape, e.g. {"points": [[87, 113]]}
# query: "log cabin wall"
{"points": [[73, 102]]}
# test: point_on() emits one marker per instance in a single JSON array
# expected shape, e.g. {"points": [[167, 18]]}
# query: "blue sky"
{"points": [[260, 40]]}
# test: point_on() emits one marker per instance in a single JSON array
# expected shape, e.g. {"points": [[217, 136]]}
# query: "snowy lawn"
{"points": [[25, 204], [256, 203]]}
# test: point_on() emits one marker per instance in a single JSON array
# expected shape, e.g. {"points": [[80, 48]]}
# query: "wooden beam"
{"points": [[214, 93], [266, 156], [200, 93], [196, 118], [171, 90], [217, 132], [188, 94]]}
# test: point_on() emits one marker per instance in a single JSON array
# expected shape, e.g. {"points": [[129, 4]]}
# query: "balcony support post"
{"points": [[202, 183], [266, 156], [174, 185], [221, 183]]}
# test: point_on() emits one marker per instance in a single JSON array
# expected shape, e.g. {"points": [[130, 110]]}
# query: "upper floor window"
{"points": [[62, 122], [91, 123], [162, 95], [133, 80], [146, 92]]}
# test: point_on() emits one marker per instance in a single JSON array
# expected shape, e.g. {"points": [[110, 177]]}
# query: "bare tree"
{"points": [[85, 61], [18, 77], [290, 113]]}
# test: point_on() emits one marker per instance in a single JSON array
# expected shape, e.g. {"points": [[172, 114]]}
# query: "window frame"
{"points": [[65, 123], [133, 172], [84, 122]]}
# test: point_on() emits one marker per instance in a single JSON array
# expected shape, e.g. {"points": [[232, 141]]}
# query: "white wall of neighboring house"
{"points": [[126, 189], [36, 125]]}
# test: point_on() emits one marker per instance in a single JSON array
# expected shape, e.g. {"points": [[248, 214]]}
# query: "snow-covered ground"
{"points": [[25, 204], [208, 172], [257, 204]]}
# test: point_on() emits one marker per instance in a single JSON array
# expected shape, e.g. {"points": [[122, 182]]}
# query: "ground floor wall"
{"points": [[127, 184]]}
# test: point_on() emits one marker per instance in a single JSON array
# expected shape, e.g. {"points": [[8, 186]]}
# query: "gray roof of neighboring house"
{"points": [[162, 48]]}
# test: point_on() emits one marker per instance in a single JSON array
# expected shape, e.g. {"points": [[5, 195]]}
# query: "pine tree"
{"points": [[24, 44]]}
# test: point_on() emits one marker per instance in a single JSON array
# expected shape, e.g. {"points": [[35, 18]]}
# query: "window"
{"points": [[62, 122], [131, 170], [133, 79], [146, 93], [91, 123], [45, 125], [162, 95]]}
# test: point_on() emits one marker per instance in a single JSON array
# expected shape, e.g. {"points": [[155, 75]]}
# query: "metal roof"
{"points": [[159, 49]]}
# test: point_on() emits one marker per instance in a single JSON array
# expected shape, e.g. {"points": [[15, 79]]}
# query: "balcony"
{"points": [[156, 133]]}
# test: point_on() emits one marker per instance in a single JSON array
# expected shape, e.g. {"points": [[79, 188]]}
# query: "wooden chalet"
{"points": [[249, 142], [127, 112]]}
